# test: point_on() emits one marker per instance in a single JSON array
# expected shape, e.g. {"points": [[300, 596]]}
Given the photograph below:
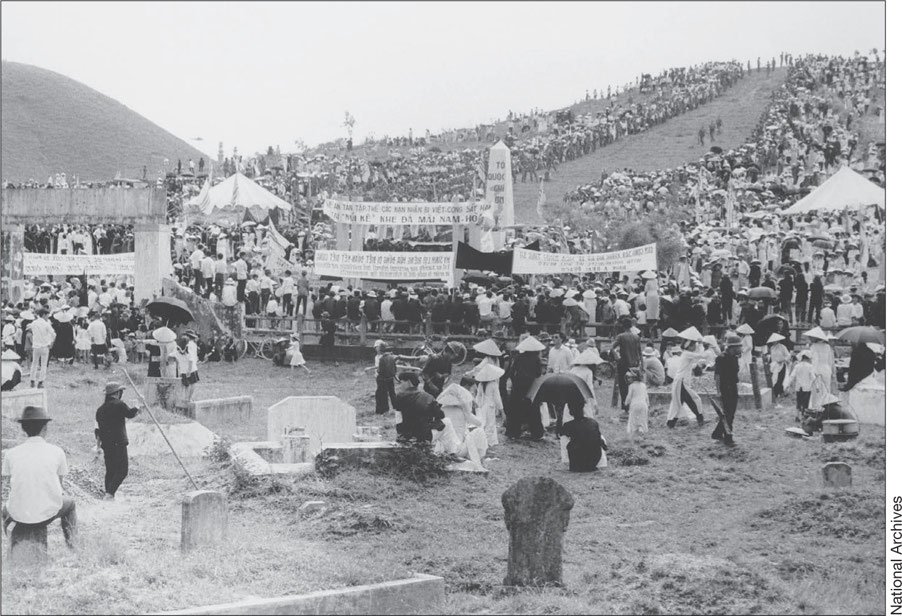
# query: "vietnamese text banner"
{"points": [[36, 264], [630, 260], [389, 213], [378, 265]]}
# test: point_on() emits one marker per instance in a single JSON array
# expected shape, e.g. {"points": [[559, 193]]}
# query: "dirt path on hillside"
{"points": [[665, 146]]}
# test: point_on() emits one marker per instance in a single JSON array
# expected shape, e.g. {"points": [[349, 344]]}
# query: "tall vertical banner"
{"points": [[499, 188]]}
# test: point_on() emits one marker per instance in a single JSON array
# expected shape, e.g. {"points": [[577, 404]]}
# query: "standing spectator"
{"points": [[97, 332], [42, 337], [221, 268], [815, 299], [240, 266], [629, 355], [113, 437], [208, 270]]}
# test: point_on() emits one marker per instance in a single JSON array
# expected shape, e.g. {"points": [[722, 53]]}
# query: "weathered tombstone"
{"points": [[205, 519], [295, 446], [536, 513], [326, 419], [837, 475]]}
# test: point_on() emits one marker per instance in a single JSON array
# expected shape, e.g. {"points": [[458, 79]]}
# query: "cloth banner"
{"points": [[377, 265], [499, 262], [384, 213], [37, 264], [630, 260]]}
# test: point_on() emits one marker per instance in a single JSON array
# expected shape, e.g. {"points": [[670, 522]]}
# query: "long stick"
{"points": [[147, 408]]}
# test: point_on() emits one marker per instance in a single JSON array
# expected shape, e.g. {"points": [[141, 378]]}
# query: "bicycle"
{"points": [[264, 348], [425, 350]]}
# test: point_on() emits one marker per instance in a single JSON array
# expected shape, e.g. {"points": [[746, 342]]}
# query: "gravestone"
{"points": [[205, 519], [164, 392], [295, 446], [536, 513], [837, 475], [326, 419]]}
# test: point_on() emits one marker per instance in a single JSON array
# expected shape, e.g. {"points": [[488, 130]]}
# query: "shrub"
{"points": [[218, 452]]}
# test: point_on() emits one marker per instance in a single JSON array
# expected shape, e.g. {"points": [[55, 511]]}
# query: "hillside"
{"points": [[668, 145], [54, 124]]}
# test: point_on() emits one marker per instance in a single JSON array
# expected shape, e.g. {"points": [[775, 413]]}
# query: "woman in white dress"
{"points": [[294, 356], [582, 367], [822, 361], [488, 400], [745, 358], [779, 363], [463, 435], [682, 396]]}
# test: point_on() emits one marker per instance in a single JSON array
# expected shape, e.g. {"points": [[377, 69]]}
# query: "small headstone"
{"points": [[205, 519], [837, 475], [295, 446], [313, 506], [536, 513]]}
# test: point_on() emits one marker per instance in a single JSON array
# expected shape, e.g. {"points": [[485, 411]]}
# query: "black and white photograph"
{"points": [[446, 308]]}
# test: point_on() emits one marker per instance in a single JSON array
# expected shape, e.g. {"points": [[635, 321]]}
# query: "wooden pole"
{"points": [[756, 389], [147, 408]]}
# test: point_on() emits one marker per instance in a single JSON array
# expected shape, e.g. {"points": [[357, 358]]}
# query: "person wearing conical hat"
{"points": [[745, 358], [488, 400], [463, 435], [779, 364], [802, 377], [637, 403], [526, 367], [10, 371], [682, 395], [726, 378], [823, 362]]}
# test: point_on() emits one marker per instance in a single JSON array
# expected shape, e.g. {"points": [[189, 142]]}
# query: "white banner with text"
{"points": [[389, 213], [377, 265], [630, 260], [37, 264]]}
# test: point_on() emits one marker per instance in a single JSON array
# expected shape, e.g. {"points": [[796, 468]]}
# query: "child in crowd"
{"points": [[294, 355], [82, 342], [637, 400], [802, 376]]}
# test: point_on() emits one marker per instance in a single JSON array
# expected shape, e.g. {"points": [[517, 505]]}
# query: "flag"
{"points": [[202, 200], [540, 206]]}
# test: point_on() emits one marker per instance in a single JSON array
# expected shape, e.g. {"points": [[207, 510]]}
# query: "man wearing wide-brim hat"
{"points": [[35, 470], [112, 436]]}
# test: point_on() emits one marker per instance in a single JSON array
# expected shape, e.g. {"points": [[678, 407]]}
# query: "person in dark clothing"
{"points": [[519, 314], [439, 315], [755, 274], [436, 371], [470, 315], [628, 348], [456, 314], [386, 369], [801, 286], [815, 300], [861, 365], [112, 436], [727, 295], [371, 308], [586, 442], [726, 377], [327, 338], [419, 411], [526, 367]]}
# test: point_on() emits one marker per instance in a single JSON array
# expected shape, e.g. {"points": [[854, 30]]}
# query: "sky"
{"points": [[253, 75]]}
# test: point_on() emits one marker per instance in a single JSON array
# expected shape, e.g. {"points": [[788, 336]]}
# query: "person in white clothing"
{"points": [[845, 313], [559, 357], [42, 337], [463, 435], [293, 354], [488, 400]]}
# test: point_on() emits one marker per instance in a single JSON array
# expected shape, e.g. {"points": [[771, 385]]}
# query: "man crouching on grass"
{"points": [[35, 470]]}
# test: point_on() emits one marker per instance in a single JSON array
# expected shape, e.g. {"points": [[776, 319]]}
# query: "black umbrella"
{"points": [[172, 309], [771, 323], [558, 388]]}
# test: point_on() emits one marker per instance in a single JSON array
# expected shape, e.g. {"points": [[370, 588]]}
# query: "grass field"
{"points": [[678, 524]]}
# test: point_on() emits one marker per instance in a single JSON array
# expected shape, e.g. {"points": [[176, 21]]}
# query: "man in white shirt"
{"points": [[97, 333], [208, 270], [560, 359], [485, 303], [229, 293], [195, 259], [621, 306], [844, 312], [42, 337], [240, 266], [35, 470]]}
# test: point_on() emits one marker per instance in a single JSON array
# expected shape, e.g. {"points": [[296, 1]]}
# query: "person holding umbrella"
{"points": [[112, 436]]}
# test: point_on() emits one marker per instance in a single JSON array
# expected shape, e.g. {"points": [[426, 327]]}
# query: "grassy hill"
{"points": [[667, 145], [54, 124]]}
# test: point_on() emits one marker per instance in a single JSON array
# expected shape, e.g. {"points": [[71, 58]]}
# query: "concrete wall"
{"points": [[153, 260], [422, 594], [220, 412], [83, 205], [326, 419]]}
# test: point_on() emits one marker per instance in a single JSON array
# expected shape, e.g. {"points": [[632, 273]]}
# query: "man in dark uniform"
{"points": [[112, 436], [726, 376], [436, 371], [419, 411]]}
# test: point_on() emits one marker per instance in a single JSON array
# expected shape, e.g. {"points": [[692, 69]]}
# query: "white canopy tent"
{"points": [[231, 197], [845, 189]]}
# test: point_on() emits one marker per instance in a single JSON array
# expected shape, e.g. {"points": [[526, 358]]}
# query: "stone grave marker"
{"points": [[326, 419], [205, 519], [536, 513], [837, 475]]}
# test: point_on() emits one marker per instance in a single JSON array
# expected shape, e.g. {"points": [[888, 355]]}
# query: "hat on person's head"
{"points": [[488, 372], [488, 347], [34, 413], [378, 344], [190, 333], [709, 340], [557, 292], [530, 344], [10, 355], [670, 333], [649, 352], [27, 315], [806, 354], [817, 333], [587, 358], [371, 294], [732, 339], [112, 387], [163, 334], [846, 298], [775, 338], [745, 328], [691, 333]]}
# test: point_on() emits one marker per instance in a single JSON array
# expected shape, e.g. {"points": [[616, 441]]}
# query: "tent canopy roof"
{"points": [[844, 189], [238, 191]]}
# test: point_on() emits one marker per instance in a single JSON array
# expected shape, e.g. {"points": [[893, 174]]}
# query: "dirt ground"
{"points": [[676, 524]]}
